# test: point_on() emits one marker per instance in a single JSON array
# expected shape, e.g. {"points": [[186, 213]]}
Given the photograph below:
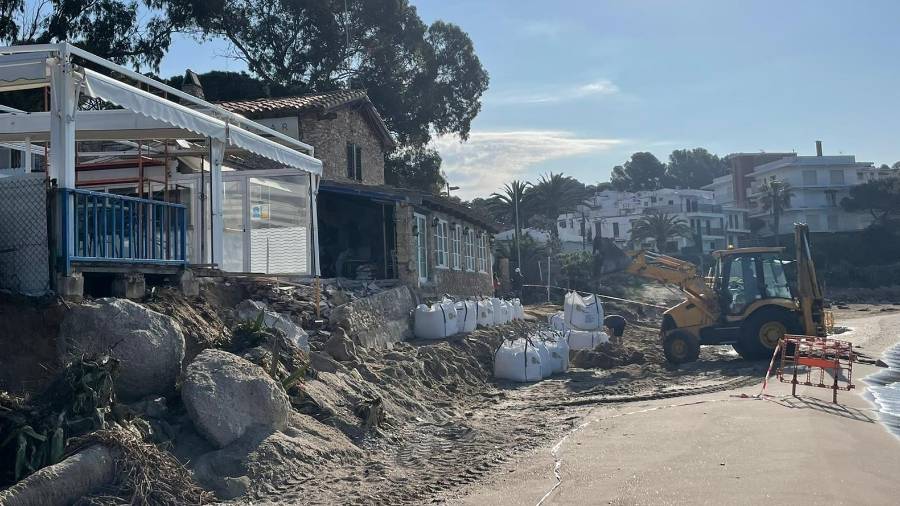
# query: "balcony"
{"points": [[713, 232], [705, 209], [115, 229]]}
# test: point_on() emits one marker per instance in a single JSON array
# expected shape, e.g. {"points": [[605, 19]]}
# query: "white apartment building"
{"points": [[737, 229], [611, 214], [818, 184]]}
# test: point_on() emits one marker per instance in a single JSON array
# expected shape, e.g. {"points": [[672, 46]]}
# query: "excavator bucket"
{"points": [[608, 258]]}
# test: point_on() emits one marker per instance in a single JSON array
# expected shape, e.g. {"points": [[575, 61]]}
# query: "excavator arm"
{"points": [[809, 292], [682, 273]]}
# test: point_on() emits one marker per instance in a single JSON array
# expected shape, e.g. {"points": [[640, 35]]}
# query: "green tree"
{"points": [[422, 79], [503, 205], [879, 197], [416, 168], [125, 31], [553, 195], [642, 172], [694, 168], [659, 227], [775, 198]]}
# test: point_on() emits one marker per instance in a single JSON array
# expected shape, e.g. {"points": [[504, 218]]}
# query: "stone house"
{"points": [[369, 230]]}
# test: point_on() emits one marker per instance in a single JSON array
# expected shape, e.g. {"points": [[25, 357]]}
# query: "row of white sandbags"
{"points": [[447, 318], [577, 339], [582, 313], [532, 358]]}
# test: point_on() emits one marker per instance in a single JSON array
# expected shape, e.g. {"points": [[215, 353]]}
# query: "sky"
{"points": [[578, 85]]}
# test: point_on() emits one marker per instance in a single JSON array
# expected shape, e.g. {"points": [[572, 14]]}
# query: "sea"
{"points": [[884, 389]]}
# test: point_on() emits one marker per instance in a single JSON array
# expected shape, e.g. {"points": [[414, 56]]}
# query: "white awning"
{"points": [[99, 86]]}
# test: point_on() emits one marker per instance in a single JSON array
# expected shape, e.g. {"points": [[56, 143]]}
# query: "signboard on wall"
{"points": [[288, 125], [260, 212]]}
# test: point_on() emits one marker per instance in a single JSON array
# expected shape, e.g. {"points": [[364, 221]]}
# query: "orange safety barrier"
{"points": [[807, 360]]}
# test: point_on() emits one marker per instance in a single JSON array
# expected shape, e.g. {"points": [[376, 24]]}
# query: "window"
{"points": [[615, 230], [837, 176], [420, 233], [454, 247], [708, 228], [860, 176], [354, 161], [482, 253], [813, 221], [831, 198], [562, 223], [441, 256], [832, 222], [809, 178], [774, 279], [469, 250]]}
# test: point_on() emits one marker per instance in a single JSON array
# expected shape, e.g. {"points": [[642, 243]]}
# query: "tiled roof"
{"points": [[313, 101], [327, 100]]}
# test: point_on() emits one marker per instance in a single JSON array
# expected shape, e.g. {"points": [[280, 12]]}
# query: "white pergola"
{"points": [[144, 115]]}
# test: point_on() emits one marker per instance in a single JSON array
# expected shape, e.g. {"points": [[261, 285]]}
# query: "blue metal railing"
{"points": [[104, 227]]}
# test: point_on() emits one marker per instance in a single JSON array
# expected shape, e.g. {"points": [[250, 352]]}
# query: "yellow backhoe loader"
{"points": [[746, 301]]}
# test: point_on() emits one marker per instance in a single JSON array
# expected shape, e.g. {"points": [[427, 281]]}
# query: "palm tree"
{"points": [[510, 202], [775, 198], [556, 194], [660, 227]]}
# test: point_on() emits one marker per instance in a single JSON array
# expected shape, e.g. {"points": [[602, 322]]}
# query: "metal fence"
{"points": [[24, 250], [113, 228]]}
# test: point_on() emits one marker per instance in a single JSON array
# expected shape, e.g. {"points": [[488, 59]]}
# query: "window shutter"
{"points": [[350, 161], [358, 157]]}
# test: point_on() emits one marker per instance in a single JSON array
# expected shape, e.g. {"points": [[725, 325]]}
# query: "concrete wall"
{"points": [[24, 250], [329, 135], [378, 320], [459, 282]]}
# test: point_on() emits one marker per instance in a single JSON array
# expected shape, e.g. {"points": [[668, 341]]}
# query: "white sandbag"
{"points": [[544, 352], [501, 311], [583, 313], [485, 316], [435, 322], [586, 339], [517, 361], [466, 316], [558, 350], [558, 322], [518, 310]]}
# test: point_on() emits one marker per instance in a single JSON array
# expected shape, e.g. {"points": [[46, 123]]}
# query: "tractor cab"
{"points": [[747, 277]]}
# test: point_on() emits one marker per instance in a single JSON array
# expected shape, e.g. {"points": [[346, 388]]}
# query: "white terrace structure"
{"points": [[143, 178]]}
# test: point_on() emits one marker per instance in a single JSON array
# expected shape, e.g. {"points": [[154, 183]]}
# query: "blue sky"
{"points": [[577, 86]]}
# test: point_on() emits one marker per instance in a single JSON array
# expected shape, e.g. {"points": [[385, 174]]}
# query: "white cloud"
{"points": [[490, 159], [600, 87]]}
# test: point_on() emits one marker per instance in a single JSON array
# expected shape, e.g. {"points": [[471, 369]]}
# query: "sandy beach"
{"points": [[721, 448]]}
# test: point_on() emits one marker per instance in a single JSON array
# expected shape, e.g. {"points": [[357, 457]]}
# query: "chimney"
{"points": [[818, 148], [191, 84]]}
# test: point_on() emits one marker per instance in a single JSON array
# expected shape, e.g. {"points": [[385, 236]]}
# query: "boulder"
{"points": [[340, 346], [225, 395], [250, 309], [148, 345]]}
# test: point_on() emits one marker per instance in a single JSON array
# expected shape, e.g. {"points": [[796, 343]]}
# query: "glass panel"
{"points": [[233, 218], [421, 250], [775, 279], [279, 224], [743, 286]]}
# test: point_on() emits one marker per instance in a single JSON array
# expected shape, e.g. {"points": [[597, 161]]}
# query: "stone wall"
{"points": [[329, 136], [457, 282], [378, 320]]}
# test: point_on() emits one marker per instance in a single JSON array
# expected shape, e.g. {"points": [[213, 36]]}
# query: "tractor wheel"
{"points": [[681, 347], [761, 331]]}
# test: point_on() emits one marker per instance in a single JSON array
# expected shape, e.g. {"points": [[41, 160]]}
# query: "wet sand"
{"points": [[720, 448]]}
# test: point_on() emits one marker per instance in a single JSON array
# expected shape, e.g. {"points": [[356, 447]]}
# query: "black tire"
{"points": [[762, 330], [681, 347]]}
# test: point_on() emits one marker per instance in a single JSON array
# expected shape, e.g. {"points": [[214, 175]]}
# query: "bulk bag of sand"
{"points": [[583, 313], [558, 348], [466, 316], [501, 311], [586, 339], [517, 361], [518, 310], [436, 321], [485, 310], [558, 322]]}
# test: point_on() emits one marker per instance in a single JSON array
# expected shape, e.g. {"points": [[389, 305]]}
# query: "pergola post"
{"points": [[63, 104], [217, 197]]}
